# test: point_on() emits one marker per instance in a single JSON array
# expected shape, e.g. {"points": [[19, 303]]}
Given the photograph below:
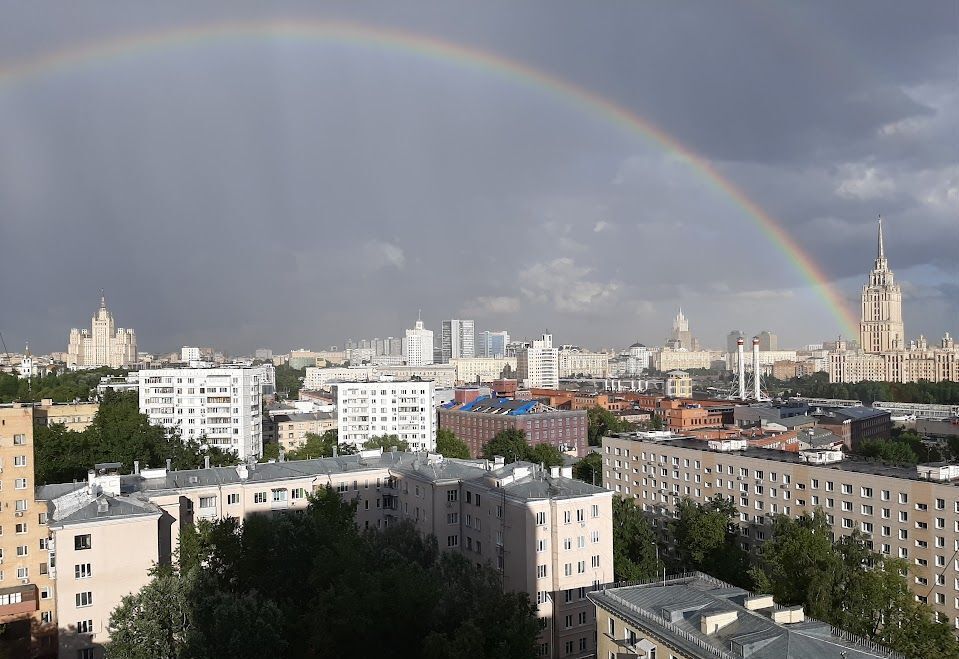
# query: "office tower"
{"points": [[492, 344], [418, 345], [456, 340]]}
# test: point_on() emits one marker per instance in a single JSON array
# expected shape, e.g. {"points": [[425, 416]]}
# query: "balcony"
{"points": [[17, 600]]}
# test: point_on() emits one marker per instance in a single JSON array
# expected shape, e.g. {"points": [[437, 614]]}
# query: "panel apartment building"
{"points": [[550, 535], [406, 409], [221, 404], [908, 512]]}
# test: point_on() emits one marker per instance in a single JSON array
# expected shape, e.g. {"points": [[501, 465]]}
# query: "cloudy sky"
{"points": [[256, 189]]}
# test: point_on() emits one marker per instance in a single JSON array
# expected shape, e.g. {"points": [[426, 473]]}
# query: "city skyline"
{"points": [[600, 228]]}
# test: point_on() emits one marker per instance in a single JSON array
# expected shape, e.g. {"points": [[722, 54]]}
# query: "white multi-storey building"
{"points": [[457, 340], [189, 354], [537, 366], [104, 344], [637, 360], [482, 369], [220, 405], [406, 409], [418, 345], [575, 361]]}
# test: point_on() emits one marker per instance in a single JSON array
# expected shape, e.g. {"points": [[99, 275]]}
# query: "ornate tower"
{"points": [[881, 328]]}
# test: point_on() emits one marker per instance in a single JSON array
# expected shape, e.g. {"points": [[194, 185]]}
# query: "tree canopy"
{"points": [[590, 469], [511, 444], [817, 385], [849, 585], [303, 583], [289, 380], [706, 536], [387, 443], [62, 387], [635, 555], [451, 446], [118, 433], [601, 422]]}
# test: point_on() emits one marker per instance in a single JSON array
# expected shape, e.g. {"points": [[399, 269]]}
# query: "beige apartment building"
{"points": [[291, 429], [550, 535], [75, 416], [26, 591], [907, 512]]}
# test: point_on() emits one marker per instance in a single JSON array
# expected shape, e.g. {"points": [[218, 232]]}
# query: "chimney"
{"points": [[136, 467], [756, 369], [168, 463], [566, 472], [554, 472], [206, 461]]}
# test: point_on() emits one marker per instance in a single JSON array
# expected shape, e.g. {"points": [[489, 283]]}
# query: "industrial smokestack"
{"points": [[756, 367], [742, 369]]}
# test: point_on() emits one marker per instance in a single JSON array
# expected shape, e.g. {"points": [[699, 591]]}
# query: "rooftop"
{"points": [[502, 406], [705, 617], [849, 462]]}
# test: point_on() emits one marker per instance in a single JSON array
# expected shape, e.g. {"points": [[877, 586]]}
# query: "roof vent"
{"points": [[759, 602], [789, 616], [103, 505], [713, 622]]}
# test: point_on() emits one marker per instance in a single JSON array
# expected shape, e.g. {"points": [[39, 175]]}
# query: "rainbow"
{"points": [[433, 48]]}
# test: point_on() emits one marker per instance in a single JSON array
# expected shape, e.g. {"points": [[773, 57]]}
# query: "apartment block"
{"points": [[221, 404], [537, 366], [27, 612], [406, 409], [549, 535], [291, 429], [907, 512], [479, 420]]}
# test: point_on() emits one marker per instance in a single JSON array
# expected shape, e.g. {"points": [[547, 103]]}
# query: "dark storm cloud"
{"points": [[289, 193]]}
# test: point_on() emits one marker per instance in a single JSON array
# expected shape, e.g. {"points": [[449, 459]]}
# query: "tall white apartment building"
{"points": [[406, 409], [189, 354], [222, 405], [418, 345], [537, 366], [457, 340], [104, 344]]}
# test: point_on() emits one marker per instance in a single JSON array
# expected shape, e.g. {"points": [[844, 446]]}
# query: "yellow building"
{"points": [[26, 593], [75, 416]]}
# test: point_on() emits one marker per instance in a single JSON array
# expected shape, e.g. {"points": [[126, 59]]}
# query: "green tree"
{"points": [[634, 543], [590, 469], [888, 451], [510, 444], [707, 539], [656, 422], [289, 380], [387, 443], [153, 623], [451, 446], [545, 454], [316, 446], [601, 422]]}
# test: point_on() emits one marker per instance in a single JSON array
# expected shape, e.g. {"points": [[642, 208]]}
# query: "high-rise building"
{"points": [[406, 409], [27, 610], [537, 366], [189, 354], [220, 405], [418, 345], [492, 344], [768, 341], [104, 345], [681, 338], [881, 328], [732, 340], [457, 340]]}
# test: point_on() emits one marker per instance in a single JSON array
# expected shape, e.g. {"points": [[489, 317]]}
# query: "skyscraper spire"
{"points": [[103, 300], [882, 251]]}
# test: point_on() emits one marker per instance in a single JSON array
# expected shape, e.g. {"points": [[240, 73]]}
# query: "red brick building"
{"points": [[477, 422]]}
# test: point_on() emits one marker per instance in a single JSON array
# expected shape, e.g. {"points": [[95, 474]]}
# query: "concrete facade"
{"points": [[75, 416]]}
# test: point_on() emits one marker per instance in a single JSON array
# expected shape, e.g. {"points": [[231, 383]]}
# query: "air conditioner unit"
{"points": [[19, 513], [24, 581]]}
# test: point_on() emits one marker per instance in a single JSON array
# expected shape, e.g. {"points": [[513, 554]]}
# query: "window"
{"points": [[453, 541], [85, 627], [452, 495], [23, 573], [541, 571], [259, 497], [19, 461], [452, 518], [82, 571], [232, 499], [567, 517], [595, 510], [81, 542], [85, 599], [279, 495], [207, 502], [299, 493], [20, 484], [19, 440], [595, 561]]}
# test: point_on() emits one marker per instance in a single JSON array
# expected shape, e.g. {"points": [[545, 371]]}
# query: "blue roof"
{"points": [[505, 406]]}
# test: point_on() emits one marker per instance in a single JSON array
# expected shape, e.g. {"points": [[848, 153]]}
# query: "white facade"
{"points": [[457, 340], [220, 405], [574, 362], [482, 369], [103, 345], [406, 409], [670, 360], [637, 360], [766, 359], [418, 345], [189, 354], [538, 365]]}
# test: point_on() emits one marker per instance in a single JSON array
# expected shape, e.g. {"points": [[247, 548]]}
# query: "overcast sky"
{"points": [[287, 193]]}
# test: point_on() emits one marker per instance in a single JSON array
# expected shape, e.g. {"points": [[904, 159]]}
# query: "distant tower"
{"points": [[881, 328], [681, 337]]}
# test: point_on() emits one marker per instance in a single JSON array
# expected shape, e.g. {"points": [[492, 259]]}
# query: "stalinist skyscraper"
{"points": [[881, 327], [104, 344]]}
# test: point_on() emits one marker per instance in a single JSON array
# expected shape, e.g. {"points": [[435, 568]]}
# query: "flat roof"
{"points": [[852, 463]]}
